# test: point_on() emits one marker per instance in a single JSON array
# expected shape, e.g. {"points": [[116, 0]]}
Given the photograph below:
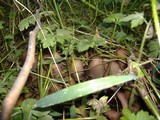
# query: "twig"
{"points": [[13, 95]]}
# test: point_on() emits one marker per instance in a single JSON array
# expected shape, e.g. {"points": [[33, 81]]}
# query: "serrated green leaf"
{"points": [[130, 38], [120, 36], [62, 35], [131, 17], [66, 34], [82, 89], [24, 24], [136, 19], [50, 41], [40, 113], [84, 45], [127, 115], [135, 23], [47, 117], [27, 106], [113, 18], [40, 35], [154, 49], [100, 42], [141, 115], [144, 115]]}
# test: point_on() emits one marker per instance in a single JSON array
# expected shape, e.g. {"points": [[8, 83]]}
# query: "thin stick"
{"points": [[13, 95]]}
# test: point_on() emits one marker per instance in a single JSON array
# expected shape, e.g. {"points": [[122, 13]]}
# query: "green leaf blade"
{"points": [[82, 89]]}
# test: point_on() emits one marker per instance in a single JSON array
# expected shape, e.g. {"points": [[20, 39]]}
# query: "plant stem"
{"points": [[92, 6], [152, 107], [155, 17], [40, 71], [143, 42], [58, 14]]}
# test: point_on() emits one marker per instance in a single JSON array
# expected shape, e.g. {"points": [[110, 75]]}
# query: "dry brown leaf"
{"points": [[113, 115], [121, 52], [114, 68], [96, 68]]}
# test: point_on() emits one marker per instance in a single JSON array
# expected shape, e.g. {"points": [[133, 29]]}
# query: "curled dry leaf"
{"points": [[123, 99], [127, 94], [114, 68], [105, 62], [136, 54], [106, 65], [80, 70], [122, 53], [136, 107], [113, 115], [28, 95], [96, 68]]}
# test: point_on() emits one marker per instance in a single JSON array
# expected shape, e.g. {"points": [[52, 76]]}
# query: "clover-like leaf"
{"points": [[141, 115]]}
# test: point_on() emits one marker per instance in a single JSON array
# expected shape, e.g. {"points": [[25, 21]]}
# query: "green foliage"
{"points": [[55, 114], [12, 15], [84, 45], [65, 39], [114, 18], [50, 39], [121, 37], [3, 90], [7, 82], [73, 111], [118, 18], [155, 74], [141, 115], [25, 23], [154, 49], [136, 19], [24, 112], [27, 106], [82, 89], [9, 37], [1, 24], [40, 115], [68, 28]]}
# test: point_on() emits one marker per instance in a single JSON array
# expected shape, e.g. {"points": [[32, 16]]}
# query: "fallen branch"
{"points": [[13, 95]]}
